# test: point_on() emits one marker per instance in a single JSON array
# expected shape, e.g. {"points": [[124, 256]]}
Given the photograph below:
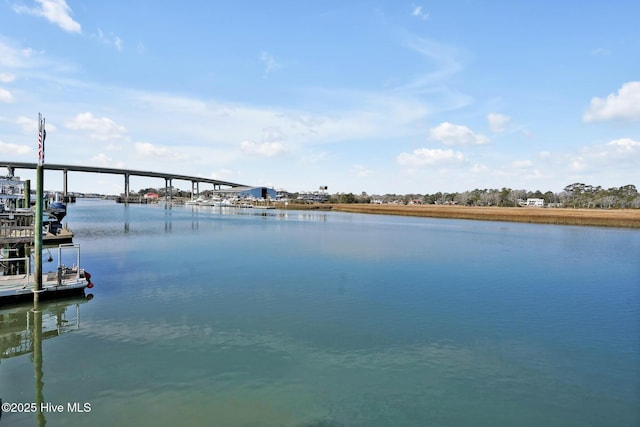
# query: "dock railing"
{"points": [[75, 267], [16, 226], [64, 274], [26, 263]]}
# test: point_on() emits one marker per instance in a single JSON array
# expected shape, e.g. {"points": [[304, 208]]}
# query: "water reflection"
{"points": [[127, 217], [24, 327], [144, 220]]}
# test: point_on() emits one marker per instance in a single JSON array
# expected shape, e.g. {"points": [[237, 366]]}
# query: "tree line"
{"points": [[576, 195]]}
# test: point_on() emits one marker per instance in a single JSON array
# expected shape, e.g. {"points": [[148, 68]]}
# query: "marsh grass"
{"points": [[629, 218]]}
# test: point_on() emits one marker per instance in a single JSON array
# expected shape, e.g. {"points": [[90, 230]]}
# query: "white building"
{"points": [[536, 203]]}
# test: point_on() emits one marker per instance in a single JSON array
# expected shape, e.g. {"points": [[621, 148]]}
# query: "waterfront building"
{"points": [[249, 193]]}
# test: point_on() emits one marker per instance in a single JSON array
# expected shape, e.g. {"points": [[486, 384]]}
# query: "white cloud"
{"points": [[55, 11], [619, 154], [223, 174], [625, 105], [272, 135], [7, 78], [12, 57], [109, 39], [427, 156], [625, 145], [418, 12], [101, 129], [366, 116], [106, 161], [270, 63], [13, 149], [27, 124], [498, 122], [266, 149], [147, 150], [450, 134], [445, 58], [6, 96]]}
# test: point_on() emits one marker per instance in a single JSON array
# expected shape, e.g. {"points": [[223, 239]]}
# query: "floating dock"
{"points": [[64, 281]]}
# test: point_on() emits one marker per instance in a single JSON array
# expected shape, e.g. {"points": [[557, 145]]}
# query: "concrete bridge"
{"points": [[168, 177]]}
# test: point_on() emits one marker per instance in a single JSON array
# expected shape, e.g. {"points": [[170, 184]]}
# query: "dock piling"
{"points": [[27, 194]]}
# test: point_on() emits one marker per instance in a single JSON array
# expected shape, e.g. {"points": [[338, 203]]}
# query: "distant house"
{"points": [[535, 203], [151, 196]]}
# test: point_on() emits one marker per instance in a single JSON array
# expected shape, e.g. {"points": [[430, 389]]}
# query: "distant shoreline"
{"points": [[624, 218]]}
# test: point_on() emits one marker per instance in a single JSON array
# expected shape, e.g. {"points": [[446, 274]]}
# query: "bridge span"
{"points": [[168, 177]]}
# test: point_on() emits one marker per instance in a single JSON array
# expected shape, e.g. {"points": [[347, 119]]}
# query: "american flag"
{"points": [[42, 135]]}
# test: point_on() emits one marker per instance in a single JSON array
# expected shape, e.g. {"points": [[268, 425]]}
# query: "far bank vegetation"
{"points": [[577, 195]]}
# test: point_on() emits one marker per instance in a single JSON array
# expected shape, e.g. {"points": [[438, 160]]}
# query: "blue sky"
{"points": [[377, 96]]}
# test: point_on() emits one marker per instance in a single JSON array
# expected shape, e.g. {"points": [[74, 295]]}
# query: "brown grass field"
{"points": [[629, 218]]}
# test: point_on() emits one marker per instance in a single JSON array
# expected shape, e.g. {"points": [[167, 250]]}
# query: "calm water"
{"points": [[301, 319]]}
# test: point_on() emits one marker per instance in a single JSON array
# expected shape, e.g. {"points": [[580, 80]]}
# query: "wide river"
{"points": [[210, 317]]}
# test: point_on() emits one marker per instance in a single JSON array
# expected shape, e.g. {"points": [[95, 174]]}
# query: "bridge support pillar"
{"points": [[168, 192], [126, 188], [65, 185], [195, 189]]}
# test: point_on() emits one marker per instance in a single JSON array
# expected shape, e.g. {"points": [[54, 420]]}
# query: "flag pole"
{"points": [[37, 256]]}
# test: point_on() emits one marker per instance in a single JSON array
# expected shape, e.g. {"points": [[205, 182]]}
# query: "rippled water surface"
{"points": [[204, 316]]}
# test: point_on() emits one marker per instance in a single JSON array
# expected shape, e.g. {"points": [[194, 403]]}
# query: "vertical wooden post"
{"points": [[27, 194], [27, 259]]}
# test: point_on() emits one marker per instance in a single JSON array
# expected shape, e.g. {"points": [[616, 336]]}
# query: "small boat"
{"points": [[224, 203], [208, 202], [194, 202], [17, 282], [58, 210]]}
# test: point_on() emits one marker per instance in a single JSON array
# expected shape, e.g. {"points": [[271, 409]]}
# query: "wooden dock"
{"points": [[17, 227]]}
